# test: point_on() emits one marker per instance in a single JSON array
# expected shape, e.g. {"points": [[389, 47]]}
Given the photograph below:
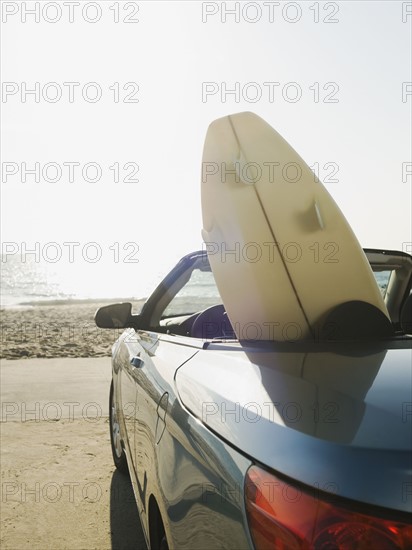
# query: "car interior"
{"points": [[190, 305]]}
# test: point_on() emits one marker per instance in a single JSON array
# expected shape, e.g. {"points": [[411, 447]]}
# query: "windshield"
{"points": [[199, 293], [382, 278]]}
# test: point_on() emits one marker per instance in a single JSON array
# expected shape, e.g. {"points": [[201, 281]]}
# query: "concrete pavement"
{"points": [[54, 389]]}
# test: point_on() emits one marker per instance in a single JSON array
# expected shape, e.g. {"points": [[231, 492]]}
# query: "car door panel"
{"points": [[201, 479], [126, 395], [179, 461], [154, 379]]}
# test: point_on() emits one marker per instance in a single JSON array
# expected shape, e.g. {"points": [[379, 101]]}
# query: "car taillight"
{"points": [[284, 517]]}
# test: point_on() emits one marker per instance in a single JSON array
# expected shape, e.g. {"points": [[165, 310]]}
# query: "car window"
{"points": [[382, 278], [199, 293]]}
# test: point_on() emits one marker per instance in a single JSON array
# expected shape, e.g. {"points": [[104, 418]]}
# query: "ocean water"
{"points": [[34, 282]]}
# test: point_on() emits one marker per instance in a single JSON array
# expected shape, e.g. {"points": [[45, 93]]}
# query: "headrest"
{"points": [[356, 320], [212, 323]]}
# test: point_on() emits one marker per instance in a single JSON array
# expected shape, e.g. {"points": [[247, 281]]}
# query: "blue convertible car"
{"points": [[243, 443]]}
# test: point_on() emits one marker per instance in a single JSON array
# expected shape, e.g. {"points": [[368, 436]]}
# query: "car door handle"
{"points": [[137, 362]]}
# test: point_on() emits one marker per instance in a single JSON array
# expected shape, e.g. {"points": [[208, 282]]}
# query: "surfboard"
{"points": [[282, 253]]}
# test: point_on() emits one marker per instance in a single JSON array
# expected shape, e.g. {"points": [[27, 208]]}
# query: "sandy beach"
{"points": [[64, 330], [60, 489]]}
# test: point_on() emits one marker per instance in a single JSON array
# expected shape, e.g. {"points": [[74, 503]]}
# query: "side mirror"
{"points": [[114, 316]]}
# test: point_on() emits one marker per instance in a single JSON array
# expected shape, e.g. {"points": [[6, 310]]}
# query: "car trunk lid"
{"points": [[321, 415]]}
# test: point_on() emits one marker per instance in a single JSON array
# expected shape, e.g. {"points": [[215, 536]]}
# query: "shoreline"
{"points": [[69, 301]]}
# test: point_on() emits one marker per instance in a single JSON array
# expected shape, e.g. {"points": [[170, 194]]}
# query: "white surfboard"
{"points": [[282, 253]]}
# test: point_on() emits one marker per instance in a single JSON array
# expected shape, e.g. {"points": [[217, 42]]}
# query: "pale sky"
{"points": [[354, 113]]}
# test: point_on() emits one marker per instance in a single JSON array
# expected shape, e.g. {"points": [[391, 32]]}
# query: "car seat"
{"points": [[406, 315], [211, 323]]}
